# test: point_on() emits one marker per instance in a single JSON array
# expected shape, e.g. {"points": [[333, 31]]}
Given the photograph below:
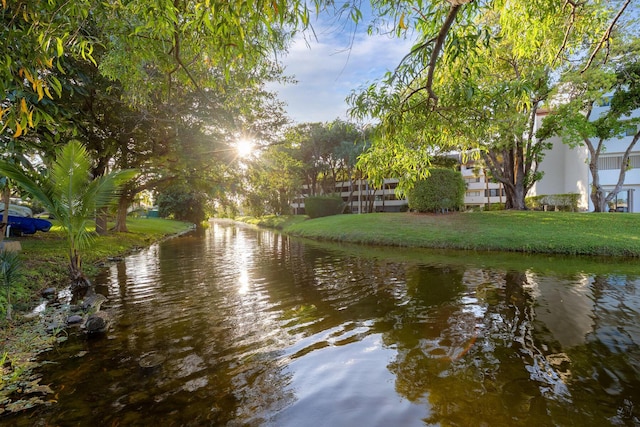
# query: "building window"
{"points": [[609, 163], [615, 162], [620, 202], [473, 194], [631, 130], [493, 192]]}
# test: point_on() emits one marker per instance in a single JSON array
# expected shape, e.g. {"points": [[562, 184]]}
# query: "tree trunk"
{"points": [[598, 197], [78, 279], [101, 221], [486, 188], [519, 195], [597, 193], [101, 214], [121, 217], [283, 202], [6, 199], [512, 175]]}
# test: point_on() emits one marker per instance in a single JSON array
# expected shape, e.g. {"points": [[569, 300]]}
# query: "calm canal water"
{"points": [[238, 326]]}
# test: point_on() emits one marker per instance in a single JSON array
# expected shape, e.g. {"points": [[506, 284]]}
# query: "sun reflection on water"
{"points": [[243, 282]]}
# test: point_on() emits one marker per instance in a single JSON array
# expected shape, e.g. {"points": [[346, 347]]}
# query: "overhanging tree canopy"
{"points": [[479, 69], [150, 47]]}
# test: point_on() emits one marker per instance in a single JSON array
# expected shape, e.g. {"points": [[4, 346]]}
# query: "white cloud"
{"points": [[329, 68]]}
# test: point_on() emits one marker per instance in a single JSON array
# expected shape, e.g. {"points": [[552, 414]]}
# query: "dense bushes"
{"points": [[442, 190], [317, 206], [183, 203], [558, 202]]}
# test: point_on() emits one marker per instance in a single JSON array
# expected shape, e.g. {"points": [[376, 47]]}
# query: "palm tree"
{"points": [[72, 196]]}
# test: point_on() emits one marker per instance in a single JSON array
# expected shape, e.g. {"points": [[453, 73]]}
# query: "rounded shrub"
{"points": [[318, 206], [443, 190]]}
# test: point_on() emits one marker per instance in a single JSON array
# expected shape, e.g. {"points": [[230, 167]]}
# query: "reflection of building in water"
{"points": [[564, 306]]}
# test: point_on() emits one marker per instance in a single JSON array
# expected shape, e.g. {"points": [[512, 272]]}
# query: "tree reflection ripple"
{"points": [[240, 326]]}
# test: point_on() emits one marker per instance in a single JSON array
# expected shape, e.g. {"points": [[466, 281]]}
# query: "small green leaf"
{"points": [[59, 47]]}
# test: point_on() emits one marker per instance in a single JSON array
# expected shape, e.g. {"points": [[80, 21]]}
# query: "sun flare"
{"points": [[244, 147]]}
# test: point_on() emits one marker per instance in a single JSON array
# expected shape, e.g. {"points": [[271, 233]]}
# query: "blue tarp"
{"points": [[26, 225]]}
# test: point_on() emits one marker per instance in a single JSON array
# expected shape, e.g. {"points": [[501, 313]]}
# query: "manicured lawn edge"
{"points": [[566, 233]]}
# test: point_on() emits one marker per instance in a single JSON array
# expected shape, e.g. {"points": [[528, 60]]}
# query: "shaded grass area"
{"points": [[279, 222], [596, 234], [44, 264]]}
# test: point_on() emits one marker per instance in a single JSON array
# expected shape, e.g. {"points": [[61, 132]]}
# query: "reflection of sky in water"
{"points": [[258, 331], [242, 262], [472, 305], [564, 306]]}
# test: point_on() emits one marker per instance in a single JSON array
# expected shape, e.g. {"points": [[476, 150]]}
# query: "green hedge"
{"points": [[318, 206], [560, 202], [442, 190]]}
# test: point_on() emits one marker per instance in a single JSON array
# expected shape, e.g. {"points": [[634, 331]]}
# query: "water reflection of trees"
{"points": [[219, 347], [522, 368], [473, 345], [476, 345]]}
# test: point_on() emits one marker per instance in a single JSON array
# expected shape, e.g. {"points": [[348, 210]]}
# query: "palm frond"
{"points": [[103, 190], [10, 264], [83, 237], [39, 189], [69, 175]]}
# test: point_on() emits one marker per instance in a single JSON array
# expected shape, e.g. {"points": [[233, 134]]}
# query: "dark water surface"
{"points": [[238, 326]]}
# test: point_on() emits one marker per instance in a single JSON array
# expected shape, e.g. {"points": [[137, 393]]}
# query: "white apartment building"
{"points": [[566, 169], [360, 197], [481, 192]]}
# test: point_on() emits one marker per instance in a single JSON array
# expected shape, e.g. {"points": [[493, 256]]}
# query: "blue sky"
{"points": [[328, 69]]}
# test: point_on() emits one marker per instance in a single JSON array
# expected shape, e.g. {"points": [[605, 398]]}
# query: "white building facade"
{"points": [[566, 169], [360, 197], [481, 192]]}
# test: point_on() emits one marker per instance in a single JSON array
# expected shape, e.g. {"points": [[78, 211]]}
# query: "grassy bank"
{"points": [[530, 231], [44, 264], [44, 255], [279, 222]]}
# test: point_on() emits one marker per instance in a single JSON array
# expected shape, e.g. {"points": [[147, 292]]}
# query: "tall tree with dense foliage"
{"points": [[578, 120], [474, 81], [175, 43], [273, 181], [327, 152], [137, 82]]}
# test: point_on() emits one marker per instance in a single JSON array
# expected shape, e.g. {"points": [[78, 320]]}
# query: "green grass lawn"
{"points": [[279, 222], [514, 231]]}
